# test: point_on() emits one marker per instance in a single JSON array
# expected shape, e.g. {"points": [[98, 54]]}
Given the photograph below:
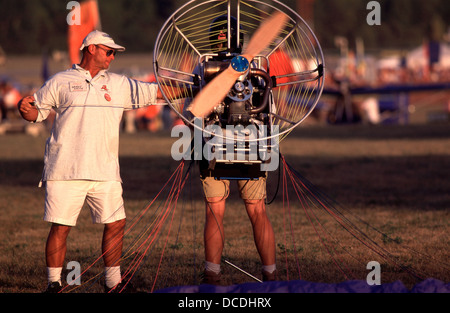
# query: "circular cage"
{"points": [[293, 60]]}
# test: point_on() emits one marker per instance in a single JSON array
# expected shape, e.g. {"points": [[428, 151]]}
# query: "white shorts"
{"points": [[65, 199]]}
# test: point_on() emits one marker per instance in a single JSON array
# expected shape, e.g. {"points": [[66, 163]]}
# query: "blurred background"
{"points": [[388, 84], [396, 72]]}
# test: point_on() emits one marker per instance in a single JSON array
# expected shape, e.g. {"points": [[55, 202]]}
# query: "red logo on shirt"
{"points": [[107, 97], [104, 87]]}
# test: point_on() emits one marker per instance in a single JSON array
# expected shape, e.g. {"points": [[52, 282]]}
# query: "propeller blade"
{"points": [[265, 34], [216, 90]]}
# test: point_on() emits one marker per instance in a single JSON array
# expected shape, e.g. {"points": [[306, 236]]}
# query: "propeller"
{"points": [[215, 91]]}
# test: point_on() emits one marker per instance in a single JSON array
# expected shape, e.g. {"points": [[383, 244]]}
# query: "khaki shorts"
{"points": [[65, 199], [248, 189]]}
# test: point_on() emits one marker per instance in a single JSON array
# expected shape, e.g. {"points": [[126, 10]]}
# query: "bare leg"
{"points": [[56, 247], [262, 230], [113, 242], [214, 231]]}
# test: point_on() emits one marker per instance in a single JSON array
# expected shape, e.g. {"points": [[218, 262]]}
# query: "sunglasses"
{"points": [[108, 51]]}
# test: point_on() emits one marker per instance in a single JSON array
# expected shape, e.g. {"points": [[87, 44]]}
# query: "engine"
{"points": [[242, 116]]}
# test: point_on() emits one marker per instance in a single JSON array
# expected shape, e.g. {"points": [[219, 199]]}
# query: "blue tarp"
{"points": [[357, 286]]}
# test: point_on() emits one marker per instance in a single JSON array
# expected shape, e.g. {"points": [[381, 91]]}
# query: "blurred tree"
{"points": [[133, 23], [165, 8], [29, 26], [436, 28], [404, 23]]}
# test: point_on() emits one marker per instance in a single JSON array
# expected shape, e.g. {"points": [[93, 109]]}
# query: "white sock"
{"points": [[112, 276], [269, 268], [54, 274], [212, 267]]}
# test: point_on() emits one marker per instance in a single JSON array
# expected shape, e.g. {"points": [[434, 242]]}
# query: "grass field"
{"points": [[394, 177]]}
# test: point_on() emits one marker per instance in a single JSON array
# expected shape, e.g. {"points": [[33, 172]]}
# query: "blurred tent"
{"points": [[391, 62], [89, 21], [420, 56]]}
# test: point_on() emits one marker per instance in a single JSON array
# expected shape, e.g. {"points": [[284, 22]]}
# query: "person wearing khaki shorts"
{"points": [[253, 193]]}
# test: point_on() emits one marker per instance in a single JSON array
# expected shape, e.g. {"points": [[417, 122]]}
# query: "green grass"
{"points": [[393, 177]]}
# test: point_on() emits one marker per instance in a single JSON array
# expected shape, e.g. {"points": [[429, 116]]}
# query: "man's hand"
{"points": [[27, 109]]}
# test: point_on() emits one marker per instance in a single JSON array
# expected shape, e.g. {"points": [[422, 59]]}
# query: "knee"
{"points": [[255, 208], [60, 231], [115, 227], [119, 223], [214, 200], [258, 204], [215, 206]]}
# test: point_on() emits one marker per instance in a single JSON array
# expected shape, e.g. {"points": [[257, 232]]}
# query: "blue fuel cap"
{"points": [[239, 64]]}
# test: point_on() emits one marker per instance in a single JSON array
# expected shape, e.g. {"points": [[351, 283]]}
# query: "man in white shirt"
{"points": [[81, 155]]}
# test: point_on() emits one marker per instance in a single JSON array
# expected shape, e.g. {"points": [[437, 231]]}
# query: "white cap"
{"points": [[100, 38]]}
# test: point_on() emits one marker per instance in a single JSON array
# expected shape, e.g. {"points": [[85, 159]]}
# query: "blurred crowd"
{"points": [[10, 95], [388, 71], [393, 77]]}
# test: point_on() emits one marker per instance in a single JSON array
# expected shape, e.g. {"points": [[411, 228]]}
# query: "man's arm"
{"points": [[27, 109], [171, 92], [146, 93]]}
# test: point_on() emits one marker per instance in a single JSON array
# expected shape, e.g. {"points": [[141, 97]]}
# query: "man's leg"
{"points": [[213, 239], [112, 244], [55, 252], [263, 234], [63, 202], [216, 193], [214, 231]]}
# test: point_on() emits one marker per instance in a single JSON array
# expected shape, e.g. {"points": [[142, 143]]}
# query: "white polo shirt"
{"points": [[84, 141]]}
